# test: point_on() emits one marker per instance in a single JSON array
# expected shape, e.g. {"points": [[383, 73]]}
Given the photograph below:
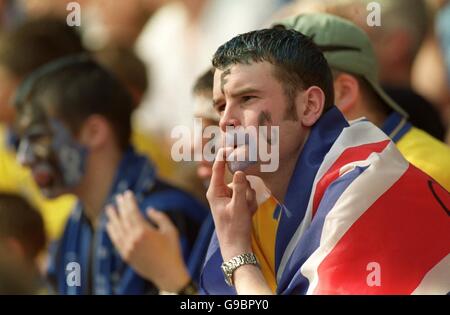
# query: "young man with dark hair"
{"points": [[23, 49], [342, 200], [74, 126]]}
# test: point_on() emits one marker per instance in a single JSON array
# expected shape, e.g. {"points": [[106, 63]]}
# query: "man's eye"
{"points": [[220, 108], [42, 139], [247, 98]]}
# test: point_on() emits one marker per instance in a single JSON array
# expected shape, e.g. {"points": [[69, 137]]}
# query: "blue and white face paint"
{"points": [[242, 143], [56, 159], [70, 154]]}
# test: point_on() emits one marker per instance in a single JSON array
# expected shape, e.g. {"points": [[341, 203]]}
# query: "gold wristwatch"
{"points": [[228, 267]]}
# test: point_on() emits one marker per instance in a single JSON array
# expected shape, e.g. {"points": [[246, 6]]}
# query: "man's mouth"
{"points": [[42, 175], [239, 159], [240, 154]]}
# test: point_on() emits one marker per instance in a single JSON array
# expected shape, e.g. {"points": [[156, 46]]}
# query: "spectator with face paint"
{"points": [[23, 49], [74, 127]]}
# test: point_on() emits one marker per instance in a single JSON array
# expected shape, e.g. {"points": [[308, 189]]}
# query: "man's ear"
{"points": [[95, 132], [346, 93], [313, 104]]}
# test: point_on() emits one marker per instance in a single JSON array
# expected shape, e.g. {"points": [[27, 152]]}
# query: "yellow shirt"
{"points": [[428, 154], [263, 240]]}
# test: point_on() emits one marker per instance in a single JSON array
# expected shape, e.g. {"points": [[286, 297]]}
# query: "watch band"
{"points": [[234, 263]]}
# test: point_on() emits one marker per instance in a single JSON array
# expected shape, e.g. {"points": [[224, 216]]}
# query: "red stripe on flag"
{"points": [[406, 232], [349, 155]]}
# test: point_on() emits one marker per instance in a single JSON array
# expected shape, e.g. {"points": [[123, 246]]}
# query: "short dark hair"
{"points": [[20, 220], [298, 62], [76, 87], [205, 82], [35, 43]]}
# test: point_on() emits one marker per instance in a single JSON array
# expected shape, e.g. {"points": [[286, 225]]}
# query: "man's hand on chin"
{"points": [[232, 209]]}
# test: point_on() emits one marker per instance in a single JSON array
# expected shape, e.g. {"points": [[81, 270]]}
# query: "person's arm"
{"points": [[232, 210]]}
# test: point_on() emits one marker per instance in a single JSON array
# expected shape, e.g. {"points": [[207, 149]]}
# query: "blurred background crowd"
{"points": [[158, 49]]}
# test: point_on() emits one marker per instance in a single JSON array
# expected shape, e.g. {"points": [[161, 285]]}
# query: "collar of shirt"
{"points": [[396, 126]]}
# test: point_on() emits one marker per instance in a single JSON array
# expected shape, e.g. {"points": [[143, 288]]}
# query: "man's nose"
{"points": [[229, 119]]}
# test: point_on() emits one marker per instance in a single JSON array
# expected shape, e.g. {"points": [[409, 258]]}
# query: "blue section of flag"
{"points": [[198, 252], [212, 280]]}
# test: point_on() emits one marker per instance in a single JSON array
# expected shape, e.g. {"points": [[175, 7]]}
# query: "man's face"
{"points": [[48, 148], [8, 85], [249, 95]]}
